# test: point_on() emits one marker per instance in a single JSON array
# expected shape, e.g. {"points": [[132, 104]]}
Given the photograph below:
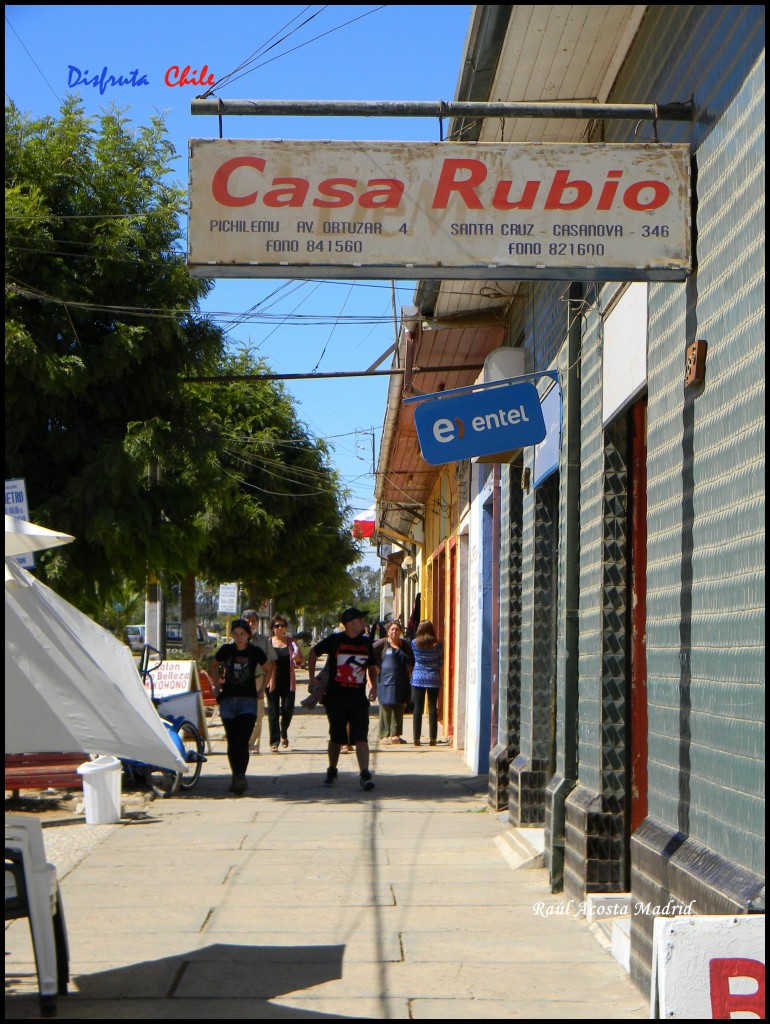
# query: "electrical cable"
{"points": [[301, 45], [10, 26], [334, 328], [264, 48]]}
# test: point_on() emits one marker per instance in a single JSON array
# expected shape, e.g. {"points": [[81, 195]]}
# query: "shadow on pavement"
{"points": [[305, 787], [166, 988]]}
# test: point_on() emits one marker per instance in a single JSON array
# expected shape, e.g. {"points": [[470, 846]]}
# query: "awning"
{"points": [[71, 685]]}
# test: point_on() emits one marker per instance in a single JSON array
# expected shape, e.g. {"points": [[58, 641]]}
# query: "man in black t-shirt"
{"points": [[350, 661]]}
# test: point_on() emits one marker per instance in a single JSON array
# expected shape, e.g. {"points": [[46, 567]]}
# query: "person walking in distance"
{"points": [[350, 661], [396, 661], [426, 679], [283, 651], [258, 640], [237, 696]]}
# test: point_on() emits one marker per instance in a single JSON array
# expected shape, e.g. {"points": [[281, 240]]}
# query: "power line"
{"points": [[301, 45], [309, 320], [264, 48], [10, 26], [334, 328]]}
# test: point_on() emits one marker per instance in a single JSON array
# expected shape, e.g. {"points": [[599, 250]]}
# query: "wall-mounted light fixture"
{"points": [[695, 364]]}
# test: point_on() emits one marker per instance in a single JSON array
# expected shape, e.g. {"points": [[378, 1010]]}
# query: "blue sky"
{"points": [[391, 52]]}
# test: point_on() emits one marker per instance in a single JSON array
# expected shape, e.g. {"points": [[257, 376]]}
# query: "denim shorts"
{"points": [[231, 707]]}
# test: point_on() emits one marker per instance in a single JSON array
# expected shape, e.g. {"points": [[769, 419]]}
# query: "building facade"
{"points": [[604, 606]]}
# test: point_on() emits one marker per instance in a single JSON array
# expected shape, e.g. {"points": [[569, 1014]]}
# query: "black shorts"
{"points": [[344, 711]]}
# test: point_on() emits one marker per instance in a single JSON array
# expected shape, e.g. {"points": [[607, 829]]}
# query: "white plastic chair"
{"points": [[32, 891]]}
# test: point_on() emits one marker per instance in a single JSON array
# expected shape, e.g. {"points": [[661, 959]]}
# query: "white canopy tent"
{"points": [[69, 684], [23, 537]]}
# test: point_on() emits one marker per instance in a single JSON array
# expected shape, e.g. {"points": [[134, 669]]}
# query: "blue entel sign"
{"points": [[484, 422]]}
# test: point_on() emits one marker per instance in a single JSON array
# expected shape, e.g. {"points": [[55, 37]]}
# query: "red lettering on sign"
{"points": [[220, 184], [723, 1001], [660, 194], [562, 184], [387, 198], [502, 198], [460, 182], [335, 192], [176, 77], [294, 192], [465, 187]]}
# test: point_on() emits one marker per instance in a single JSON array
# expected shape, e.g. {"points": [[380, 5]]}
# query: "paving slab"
{"points": [[296, 902]]}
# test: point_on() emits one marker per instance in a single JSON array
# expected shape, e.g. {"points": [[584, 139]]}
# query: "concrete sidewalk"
{"points": [[295, 901]]}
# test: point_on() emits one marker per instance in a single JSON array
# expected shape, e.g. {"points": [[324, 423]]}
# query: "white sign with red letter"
{"points": [[708, 968], [437, 210]]}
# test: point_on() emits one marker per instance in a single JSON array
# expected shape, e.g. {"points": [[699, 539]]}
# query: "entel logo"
{"points": [[446, 430]]}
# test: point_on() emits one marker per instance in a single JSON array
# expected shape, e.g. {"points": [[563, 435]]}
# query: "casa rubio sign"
{"points": [[484, 422], [439, 210]]}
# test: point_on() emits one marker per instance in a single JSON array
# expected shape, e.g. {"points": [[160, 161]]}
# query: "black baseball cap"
{"points": [[351, 613]]}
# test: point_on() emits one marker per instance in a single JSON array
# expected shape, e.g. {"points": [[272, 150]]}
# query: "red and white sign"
{"points": [[177, 685], [436, 210], [174, 677], [708, 968], [363, 524]]}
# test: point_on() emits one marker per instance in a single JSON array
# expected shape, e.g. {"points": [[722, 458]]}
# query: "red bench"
{"points": [[207, 693], [43, 771]]}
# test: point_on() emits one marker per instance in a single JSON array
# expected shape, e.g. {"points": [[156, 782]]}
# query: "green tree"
{"points": [[366, 589], [101, 320], [277, 519], [102, 328]]}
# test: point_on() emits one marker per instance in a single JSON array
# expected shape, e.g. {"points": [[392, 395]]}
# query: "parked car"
{"points": [[174, 639], [135, 638], [173, 636]]}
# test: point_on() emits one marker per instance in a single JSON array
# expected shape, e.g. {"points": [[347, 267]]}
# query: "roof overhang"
{"points": [[513, 53]]}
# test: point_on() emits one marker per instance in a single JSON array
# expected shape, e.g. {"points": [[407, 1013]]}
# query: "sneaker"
{"points": [[240, 785], [386, 740], [367, 782], [331, 777]]}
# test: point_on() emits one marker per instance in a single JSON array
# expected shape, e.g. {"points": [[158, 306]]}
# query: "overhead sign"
{"points": [[436, 210], [479, 423], [708, 967]]}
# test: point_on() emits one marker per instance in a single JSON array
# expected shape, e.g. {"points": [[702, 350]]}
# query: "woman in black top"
{"points": [[237, 696], [284, 654]]}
